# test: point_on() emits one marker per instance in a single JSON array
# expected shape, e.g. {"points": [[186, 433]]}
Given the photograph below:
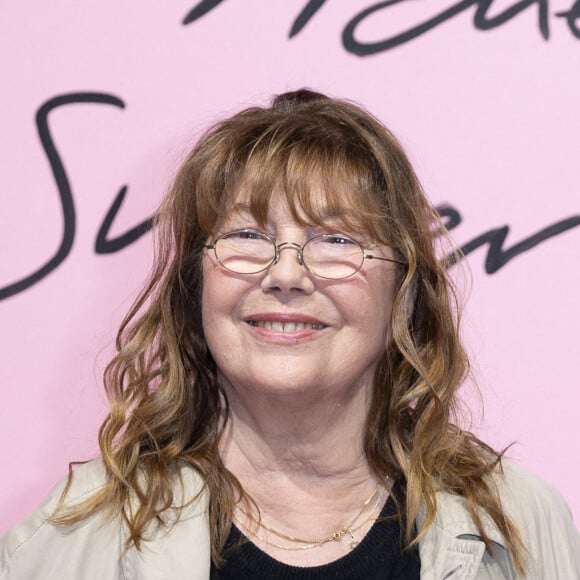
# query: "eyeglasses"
{"points": [[329, 256]]}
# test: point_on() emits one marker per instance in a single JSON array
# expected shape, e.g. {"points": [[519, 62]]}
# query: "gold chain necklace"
{"points": [[313, 543]]}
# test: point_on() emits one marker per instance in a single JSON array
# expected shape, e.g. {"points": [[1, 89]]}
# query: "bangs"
{"points": [[325, 178]]}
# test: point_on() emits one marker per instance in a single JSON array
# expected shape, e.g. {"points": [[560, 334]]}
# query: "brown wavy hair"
{"points": [[167, 405]]}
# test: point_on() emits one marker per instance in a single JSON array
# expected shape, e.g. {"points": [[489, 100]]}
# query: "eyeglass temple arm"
{"points": [[371, 257]]}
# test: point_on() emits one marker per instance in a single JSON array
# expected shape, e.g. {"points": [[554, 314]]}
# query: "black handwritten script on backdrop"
{"points": [[481, 19], [103, 244], [497, 254]]}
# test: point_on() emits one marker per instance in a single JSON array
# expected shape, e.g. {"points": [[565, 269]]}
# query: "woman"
{"points": [[283, 396]]}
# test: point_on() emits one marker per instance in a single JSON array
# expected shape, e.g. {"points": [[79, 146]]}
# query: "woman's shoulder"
{"points": [[523, 495], [87, 478], [543, 520], [511, 474], [21, 547], [538, 511], [37, 548], [530, 500]]}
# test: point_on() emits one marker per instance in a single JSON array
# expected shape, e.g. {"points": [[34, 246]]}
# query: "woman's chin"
{"points": [[291, 386]]}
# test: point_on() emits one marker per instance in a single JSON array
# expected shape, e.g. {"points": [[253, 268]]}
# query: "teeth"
{"points": [[285, 326]]}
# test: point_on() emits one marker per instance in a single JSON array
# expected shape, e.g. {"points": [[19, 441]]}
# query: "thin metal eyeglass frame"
{"points": [[300, 250]]}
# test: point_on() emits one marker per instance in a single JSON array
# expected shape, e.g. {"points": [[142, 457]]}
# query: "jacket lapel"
{"points": [[458, 559], [183, 553], [452, 547]]}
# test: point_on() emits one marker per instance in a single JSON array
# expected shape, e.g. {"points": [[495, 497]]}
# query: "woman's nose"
{"points": [[288, 273]]}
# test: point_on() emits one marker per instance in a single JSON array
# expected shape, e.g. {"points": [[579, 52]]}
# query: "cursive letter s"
{"points": [[62, 183]]}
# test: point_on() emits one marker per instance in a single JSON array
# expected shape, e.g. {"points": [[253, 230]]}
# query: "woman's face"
{"points": [[285, 331]]}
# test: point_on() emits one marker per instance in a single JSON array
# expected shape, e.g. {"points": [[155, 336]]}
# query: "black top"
{"points": [[378, 556]]}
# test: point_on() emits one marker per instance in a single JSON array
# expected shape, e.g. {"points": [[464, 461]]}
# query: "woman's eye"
{"points": [[247, 235], [339, 239]]}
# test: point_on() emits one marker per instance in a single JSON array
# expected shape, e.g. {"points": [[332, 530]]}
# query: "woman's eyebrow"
{"points": [[324, 211], [327, 213], [242, 208], [330, 216]]}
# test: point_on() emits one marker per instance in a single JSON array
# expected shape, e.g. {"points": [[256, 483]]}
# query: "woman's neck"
{"points": [[305, 435], [302, 463]]}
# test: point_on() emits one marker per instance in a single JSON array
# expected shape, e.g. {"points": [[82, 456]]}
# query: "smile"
{"points": [[285, 326]]}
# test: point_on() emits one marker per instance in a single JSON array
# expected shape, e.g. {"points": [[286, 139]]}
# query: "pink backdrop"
{"points": [[101, 95]]}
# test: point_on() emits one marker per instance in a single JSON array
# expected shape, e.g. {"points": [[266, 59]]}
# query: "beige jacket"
{"points": [[451, 550]]}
